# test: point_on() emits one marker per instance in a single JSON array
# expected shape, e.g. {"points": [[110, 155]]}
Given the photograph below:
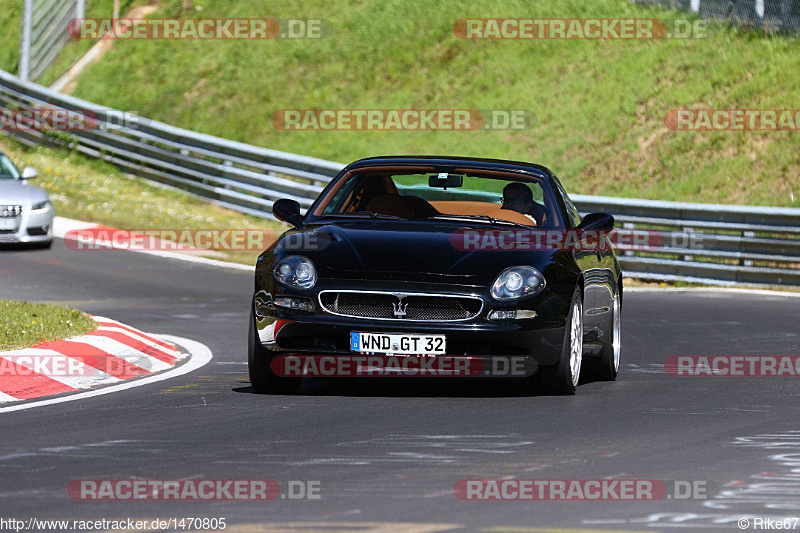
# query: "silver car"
{"points": [[26, 213]]}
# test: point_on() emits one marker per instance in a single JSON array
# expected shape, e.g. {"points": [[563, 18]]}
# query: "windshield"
{"points": [[458, 195], [8, 171]]}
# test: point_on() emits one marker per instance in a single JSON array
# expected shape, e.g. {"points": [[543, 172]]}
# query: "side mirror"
{"points": [[287, 211], [28, 173], [597, 221]]}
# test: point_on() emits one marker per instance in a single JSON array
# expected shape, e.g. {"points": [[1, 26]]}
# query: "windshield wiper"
{"points": [[482, 218], [362, 214]]}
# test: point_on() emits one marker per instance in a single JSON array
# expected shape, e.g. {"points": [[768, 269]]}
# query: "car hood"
{"points": [[398, 250], [20, 192]]}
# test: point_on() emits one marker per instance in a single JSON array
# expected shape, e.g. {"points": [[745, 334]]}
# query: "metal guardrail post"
{"points": [[25, 40]]}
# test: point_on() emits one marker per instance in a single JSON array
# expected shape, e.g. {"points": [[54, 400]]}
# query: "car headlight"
{"points": [[42, 207], [517, 282], [296, 271]]}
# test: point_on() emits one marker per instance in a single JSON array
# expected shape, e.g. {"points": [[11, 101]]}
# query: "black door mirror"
{"points": [[287, 211], [597, 221]]}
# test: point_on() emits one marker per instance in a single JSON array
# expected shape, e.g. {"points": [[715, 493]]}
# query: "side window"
{"points": [[572, 211], [7, 168], [337, 202]]}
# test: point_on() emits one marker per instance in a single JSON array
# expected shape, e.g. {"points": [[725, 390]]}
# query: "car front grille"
{"points": [[401, 306], [10, 211]]}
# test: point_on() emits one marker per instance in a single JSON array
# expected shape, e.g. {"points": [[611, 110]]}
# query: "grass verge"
{"points": [[95, 191], [24, 324]]}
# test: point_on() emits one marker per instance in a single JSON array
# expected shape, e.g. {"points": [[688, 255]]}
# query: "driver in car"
{"points": [[519, 197]]}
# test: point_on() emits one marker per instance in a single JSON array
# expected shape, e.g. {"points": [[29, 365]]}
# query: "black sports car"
{"points": [[435, 258]]}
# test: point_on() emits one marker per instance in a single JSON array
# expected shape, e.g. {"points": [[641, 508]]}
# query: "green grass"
{"points": [[95, 191], [24, 324], [10, 25], [599, 105]]}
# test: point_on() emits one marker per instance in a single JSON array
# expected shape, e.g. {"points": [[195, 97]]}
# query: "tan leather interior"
{"points": [[455, 207], [389, 204], [511, 216], [465, 207], [370, 189]]}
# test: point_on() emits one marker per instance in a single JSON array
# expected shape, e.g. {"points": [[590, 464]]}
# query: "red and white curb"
{"points": [[109, 355]]}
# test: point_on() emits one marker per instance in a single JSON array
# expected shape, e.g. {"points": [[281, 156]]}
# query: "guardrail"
{"points": [[710, 243], [700, 242], [769, 15], [237, 175]]}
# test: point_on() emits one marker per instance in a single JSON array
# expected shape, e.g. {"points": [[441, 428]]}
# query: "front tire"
{"points": [[563, 378], [262, 379], [608, 366]]}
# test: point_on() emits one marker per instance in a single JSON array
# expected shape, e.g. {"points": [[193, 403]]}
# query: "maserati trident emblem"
{"points": [[399, 309]]}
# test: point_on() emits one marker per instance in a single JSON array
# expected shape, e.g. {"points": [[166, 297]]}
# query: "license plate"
{"points": [[397, 343], [8, 223]]}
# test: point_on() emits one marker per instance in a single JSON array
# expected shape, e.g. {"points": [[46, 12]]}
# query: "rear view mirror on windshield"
{"points": [[444, 180]]}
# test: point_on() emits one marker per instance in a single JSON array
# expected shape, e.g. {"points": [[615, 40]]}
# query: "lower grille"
{"points": [[401, 306], [37, 231]]}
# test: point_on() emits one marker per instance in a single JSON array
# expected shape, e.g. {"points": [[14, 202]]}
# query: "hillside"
{"points": [[599, 105]]}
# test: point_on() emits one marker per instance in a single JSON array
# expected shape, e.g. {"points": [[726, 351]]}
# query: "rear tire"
{"points": [[263, 380], [563, 378]]}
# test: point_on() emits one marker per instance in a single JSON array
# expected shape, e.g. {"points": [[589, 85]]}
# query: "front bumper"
{"points": [[27, 228], [537, 340]]}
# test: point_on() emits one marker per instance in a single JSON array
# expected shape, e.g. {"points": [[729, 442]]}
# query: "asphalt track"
{"points": [[389, 451]]}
